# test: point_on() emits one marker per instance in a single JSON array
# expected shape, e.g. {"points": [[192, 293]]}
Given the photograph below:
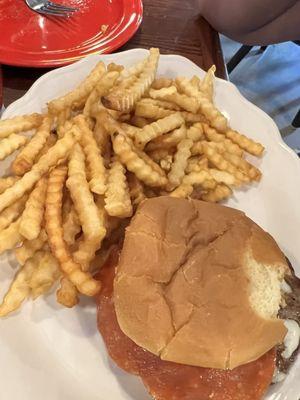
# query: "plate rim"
{"points": [[114, 44]]}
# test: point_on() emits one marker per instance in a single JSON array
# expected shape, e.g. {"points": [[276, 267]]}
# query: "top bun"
{"points": [[199, 284]]}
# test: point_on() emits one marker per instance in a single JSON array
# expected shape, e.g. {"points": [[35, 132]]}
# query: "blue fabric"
{"points": [[271, 80]]}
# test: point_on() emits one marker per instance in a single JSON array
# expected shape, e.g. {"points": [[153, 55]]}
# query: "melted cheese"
{"points": [[291, 340]]}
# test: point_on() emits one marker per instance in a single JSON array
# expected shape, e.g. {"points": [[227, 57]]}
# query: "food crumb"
{"points": [[104, 28]]}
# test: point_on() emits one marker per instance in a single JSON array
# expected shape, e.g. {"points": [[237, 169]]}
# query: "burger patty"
{"points": [[290, 311], [171, 381]]}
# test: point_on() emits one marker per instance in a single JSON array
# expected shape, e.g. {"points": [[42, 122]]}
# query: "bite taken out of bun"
{"points": [[199, 284]]}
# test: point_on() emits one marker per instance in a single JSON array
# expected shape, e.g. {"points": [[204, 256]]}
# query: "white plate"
{"points": [[51, 353]]}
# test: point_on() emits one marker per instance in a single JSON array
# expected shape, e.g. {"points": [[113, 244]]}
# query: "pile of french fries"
{"points": [[123, 135]]}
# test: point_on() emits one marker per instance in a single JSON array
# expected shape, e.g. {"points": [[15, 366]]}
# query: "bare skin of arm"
{"points": [[254, 22]]}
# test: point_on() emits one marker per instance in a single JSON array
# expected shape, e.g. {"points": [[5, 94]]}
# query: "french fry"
{"points": [[223, 177], [221, 192], [102, 87], [117, 198], [131, 131], [90, 220], [19, 289], [55, 154], [167, 105], [196, 164], [67, 294], [202, 178], [53, 215], [146, 110], [7, 182], [78, 96], [249, 169], [177, 172], [45, 274], [195, 132], [19, 124], [115, 67], [136, 189], [245, 143], [218, 160], [142, 167], [182, 191], [195, 81], [139, 122], [10, 144], [158, 128], [71, 226], [212, 135], [162, 82], [167, 140], [32, 217], [12, 212], [166, 162], [30, 247], [216, 118], [94, 160], [206, 86], [170, 94], [121, 99], [10, 236]]}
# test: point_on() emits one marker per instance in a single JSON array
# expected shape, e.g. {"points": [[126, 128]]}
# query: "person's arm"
{"points": [[254, 22]]}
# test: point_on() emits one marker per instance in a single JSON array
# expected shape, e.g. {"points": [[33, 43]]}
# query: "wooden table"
{"points": [[174, 26]]}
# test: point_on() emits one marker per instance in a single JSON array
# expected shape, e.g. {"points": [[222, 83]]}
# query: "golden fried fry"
{"points": [[177, 172], [136, 189], [45, 274], [115, 67], [166, 162], [195, 81], [219, 161], [67, 294], [10, 144], [94, 160], [245, 143], [7, 182], [139, 122], [30, 247], [167, 105], [196, 164], [170, 94], [71, 226], [182, 191], [158, 128], [141, 165], [92, 225], [19, 289], [216, 118], [117, 198], [221, 192], [212, 135], [195, 132], [19, 124], [146, 110], [162, 82], [131, 131], [12, 212], [55, 154], [167, 140], [10, 236], [223, 177], [102, 87], [124, 99], [53, 215], [207, 84], [32, 217], [201, 178], [249, 169], [78, 96]]}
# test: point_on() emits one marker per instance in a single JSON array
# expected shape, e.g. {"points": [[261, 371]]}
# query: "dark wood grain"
{"points": [[174, 26]]}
